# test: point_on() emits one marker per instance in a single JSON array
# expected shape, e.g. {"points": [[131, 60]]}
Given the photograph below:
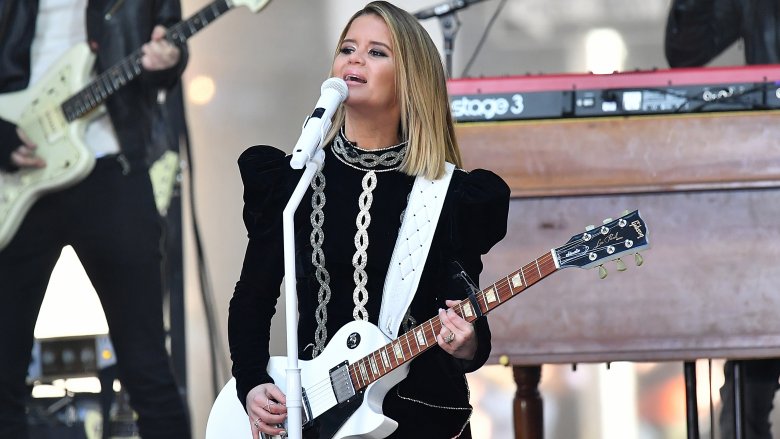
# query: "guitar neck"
{"points": [[121, 73], [423, 337]]}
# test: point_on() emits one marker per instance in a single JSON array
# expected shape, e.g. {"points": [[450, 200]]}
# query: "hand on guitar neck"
{"points": [[457, 336], [159, 53]]}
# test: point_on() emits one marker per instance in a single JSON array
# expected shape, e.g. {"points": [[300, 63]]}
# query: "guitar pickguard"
{"points": [[37, 112]]}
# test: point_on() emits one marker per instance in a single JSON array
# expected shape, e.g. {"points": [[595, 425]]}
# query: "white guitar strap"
{"points": [[411, 249]]}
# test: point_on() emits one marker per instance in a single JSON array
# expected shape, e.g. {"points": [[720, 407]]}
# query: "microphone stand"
{"points": [[293, 389], [450, 25], [449, 22]]}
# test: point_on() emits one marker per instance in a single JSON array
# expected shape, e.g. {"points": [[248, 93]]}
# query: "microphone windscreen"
{"points": [[336, 84]]}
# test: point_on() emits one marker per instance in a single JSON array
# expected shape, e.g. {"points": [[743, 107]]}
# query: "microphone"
{"points": [[332, 93], [444, 8]]}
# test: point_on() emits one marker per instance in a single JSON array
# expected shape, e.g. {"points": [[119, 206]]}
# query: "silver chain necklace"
{"points": [[366, 160]]}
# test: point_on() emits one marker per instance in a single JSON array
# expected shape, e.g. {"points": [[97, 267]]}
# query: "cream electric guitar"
{"points": [[348, 381], [55, 111]]}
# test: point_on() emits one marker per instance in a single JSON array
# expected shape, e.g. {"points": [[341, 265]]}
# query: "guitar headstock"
{"points": [[253, 5], [613, 239]]}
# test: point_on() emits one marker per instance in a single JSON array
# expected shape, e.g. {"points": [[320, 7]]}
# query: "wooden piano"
{"points": [[704, 175]]}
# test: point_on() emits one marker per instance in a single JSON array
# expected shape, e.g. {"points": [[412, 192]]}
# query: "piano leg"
{"points": [[529, 418]]}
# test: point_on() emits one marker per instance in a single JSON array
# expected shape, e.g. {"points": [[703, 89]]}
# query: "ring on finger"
{"points": [[257, 423], [448, 339]]}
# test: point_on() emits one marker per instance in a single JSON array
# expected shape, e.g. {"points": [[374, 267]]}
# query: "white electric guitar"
{"points": [[55, 111], [349, 380]]}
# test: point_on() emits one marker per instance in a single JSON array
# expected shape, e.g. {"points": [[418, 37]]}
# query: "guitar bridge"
{"points": [[341, 383], [306, 409]]}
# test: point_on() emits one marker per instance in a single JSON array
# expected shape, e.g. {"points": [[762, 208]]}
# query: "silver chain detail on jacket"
{"points": [[370, 162], [360, 258], [316, 238], [427, 404]]}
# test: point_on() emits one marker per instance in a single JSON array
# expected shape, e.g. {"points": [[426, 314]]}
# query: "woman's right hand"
{"points": [[267, 410], [24, 156]]}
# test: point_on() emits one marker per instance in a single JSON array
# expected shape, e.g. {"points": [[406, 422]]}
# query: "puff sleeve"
{"points": [[264, 171], [479, 222]]}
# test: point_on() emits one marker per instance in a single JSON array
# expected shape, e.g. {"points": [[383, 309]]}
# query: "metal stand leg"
{"points": [[691, 405], [738, 423]]}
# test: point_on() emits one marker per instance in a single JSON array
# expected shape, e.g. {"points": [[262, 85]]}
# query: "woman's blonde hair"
{"points": [[426, 121]]}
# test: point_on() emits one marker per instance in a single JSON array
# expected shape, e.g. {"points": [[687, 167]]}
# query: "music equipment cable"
{"points": [[216, 347], [481, 41]]}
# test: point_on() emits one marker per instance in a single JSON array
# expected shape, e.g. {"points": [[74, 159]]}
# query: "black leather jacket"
{"points": [[115, 28], [699, 30]]}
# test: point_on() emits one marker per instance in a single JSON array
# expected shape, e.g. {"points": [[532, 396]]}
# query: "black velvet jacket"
{"points": [[699, 30], [433, 400], [115, 28]]}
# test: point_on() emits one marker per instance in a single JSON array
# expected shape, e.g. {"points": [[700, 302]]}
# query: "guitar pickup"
{"points": [[341, 383]]}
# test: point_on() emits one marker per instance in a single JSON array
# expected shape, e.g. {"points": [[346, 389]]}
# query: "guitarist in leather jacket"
{"points": [[109, 218], [697, 31]]}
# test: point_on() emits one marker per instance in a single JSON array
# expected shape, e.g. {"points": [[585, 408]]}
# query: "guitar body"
{"points": [[36, 110], [228, 419], [359, 359]]}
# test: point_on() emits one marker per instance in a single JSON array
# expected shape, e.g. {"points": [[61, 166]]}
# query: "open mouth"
{"points": [[353, 78]]}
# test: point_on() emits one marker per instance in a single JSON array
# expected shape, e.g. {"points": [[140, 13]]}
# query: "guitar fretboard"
{"points": [[116, 76], [423, 337]]}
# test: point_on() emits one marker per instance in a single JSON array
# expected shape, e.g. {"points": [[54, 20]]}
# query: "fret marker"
{"points": [[490, 295], [468, 311], [397, 350], [363, 372], [372, 363], [385, 359], [420, 338], [516, 281]]}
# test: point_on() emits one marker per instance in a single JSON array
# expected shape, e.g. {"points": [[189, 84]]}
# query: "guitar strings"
{"points": [[323, 390]]}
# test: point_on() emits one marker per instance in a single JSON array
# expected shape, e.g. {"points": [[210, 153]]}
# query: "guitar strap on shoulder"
{"points": [[411, 249]]}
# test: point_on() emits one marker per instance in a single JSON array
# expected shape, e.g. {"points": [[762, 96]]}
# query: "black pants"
{"points": [[112, 223], [759, 384]]}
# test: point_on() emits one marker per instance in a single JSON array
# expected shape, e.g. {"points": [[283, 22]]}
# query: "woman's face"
{"points": [[367, 63]]}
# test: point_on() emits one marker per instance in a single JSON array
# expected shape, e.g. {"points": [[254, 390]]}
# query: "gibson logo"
{"points": [[637, 225]]}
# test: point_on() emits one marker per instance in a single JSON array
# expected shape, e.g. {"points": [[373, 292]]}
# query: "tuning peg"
{"points": [[621, 266], [625, 212], [602, 272], [638, 259], [607, 221], [589, 228]]}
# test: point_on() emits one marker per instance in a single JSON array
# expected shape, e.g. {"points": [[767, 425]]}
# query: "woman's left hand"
{"points": [[457, 335]]}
